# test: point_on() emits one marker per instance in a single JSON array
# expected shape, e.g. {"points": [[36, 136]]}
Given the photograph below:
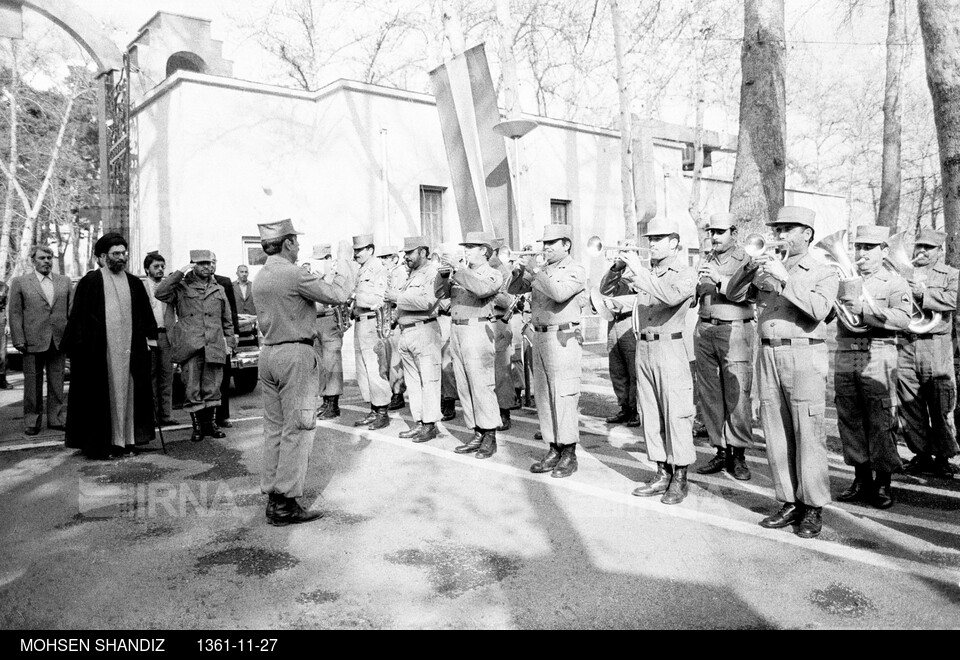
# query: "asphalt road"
{"points": [[416, 536]]}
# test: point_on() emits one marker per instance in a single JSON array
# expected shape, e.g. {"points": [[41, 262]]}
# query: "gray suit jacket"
{"points": [[244, 305], [33, 322]]}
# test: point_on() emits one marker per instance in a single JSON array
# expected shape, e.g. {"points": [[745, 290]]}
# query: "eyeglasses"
{"points": [[117, 254]]}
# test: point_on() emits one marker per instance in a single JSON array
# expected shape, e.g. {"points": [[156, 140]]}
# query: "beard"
{"points": [[116, 265]]}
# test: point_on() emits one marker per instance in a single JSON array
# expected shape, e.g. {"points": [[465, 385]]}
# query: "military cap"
{"points": [[794, 215], [662, 227], [322, 251], [386, 251], [199, 256], [930, 236], [484, 238], [273, 230], [556, 232], [362, 241], [722, 221], [871, 235], [414, 242]]}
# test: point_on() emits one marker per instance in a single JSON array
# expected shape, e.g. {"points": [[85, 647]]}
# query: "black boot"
{"points": [[369, 419], [396, 401], [504, 420], [811, 524], [862, 487], [568, 462], [197, 434], [625, 415], [289, 512], [209, 427], [448, 409], [548, 462], [471, 445], [678, 488], [740, 471], [428, 431], [411, 432], [274, 500], [488, 444], [716, 464], [659, 484], [882, 496], [788, 514], [323, 407], [381, 419], [919, 464], [634, 420], [332, 408]]}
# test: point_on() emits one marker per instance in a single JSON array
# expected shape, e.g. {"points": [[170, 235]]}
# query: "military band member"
{"points": [[723, 344], [289, 383], [372, 356], [329, 338], [926, 381], [503, 340], [448, 379], [558, 296], [419, 339], [794, 298], [621, 341], [865, 379], [396, 276], [664, 382], [471, 286]]}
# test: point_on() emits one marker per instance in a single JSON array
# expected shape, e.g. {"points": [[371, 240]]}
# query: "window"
{"points": [[559, 212], [693, 256], [252, 251], [431, 214]]}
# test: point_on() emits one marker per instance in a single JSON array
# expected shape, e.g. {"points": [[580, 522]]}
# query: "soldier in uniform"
{"points": [[794, 298], [329, 338], [503, 306], [865, 378], [285, 295], [558, 296], [926, 381], [471, 286], [664, 382], [723, 344], [396, 276], [372, 356], [619, 299], [419, 333]]}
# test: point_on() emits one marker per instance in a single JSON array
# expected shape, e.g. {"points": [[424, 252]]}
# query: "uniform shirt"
{"points": [[714, 303], [285, 295], [558, 291], [798, 309], [396, 276], [616, 284], [891, 296], [371, 285], [939, 293], [663, 296], [417, 300], [471, 291]]}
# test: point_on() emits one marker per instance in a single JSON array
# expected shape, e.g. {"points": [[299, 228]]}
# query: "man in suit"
{"points": [[39, 306], [161, 365], [243, 292], [4, 295], [223, 410]]}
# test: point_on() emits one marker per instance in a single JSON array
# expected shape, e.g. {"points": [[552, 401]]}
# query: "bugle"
{"points": [[757, 245]]}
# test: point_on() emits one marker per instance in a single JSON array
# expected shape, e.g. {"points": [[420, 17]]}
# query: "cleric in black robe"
{"points": [[110, 406]]}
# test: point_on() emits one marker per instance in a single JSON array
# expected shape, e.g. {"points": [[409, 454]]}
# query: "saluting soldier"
{"points": [[471, 286], [926, 382], [419, 338], [329, 338], [396, 276], [723, 343], [503, 339], [558, 296], [372, 356], [664, 382], [865, 379], [794, 298], [285, 296], [619, 299]]}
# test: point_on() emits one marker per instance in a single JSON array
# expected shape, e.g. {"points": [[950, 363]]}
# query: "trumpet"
{"points": [[756, 245], [506, 254], [595, 248], [896, 260]]}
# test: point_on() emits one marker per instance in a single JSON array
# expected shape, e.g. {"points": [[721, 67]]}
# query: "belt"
{"points": [[864, 343], [724, 321], [404, 326], [366, 315], [305, 342], [329, 312], [161, 329], [797, 341], [558, 328], [621, 316], [911, 337], [501, 319], [653, 336], [485, 319]]}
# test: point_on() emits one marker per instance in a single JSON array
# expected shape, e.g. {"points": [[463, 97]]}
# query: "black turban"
{"points": [[107, 241]]}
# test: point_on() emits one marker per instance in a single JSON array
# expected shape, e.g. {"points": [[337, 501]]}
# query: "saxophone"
{"points": [[341, 314], [385, 320]]}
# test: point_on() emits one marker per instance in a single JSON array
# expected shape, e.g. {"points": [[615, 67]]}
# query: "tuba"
{"points": [[921, 322], [834, 248]]}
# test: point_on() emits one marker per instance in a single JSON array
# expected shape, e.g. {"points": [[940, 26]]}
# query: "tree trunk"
{"points": [[693, 207], [940, 25], [760, 170], [626, 142], [452, 29], [7, 225], [889, 213]]}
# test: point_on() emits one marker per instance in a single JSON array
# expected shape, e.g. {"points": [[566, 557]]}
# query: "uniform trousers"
{"points": [[372, 361], [34, 364], [3, 345], [865, 385], [793, 383], [448, 379], [329, 347], [289, 386], [419, 351], [724, 367], [927, 389], [503, 342], [665, 401], [396, 363], [201, 382], [622, 362], [474, 356], [557, 357], [161, 375]]}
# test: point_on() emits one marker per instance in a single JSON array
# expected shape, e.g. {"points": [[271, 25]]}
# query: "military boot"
{"points": [[289, 512], [197, 434], [740, 471], [333, 407], [323, 407], [788, 514], [488, 445], [396, 401], [209, 426], [471, 445], [381, 419], [369, 419], [678, 488], [548, 462], [448, 409], [621, 417], [274, 500], [428, 431], [504, 420], [568, 462], [716, 464], [862, 487], [882, 496], [410, 433], [659, 484], [811, 523]]}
